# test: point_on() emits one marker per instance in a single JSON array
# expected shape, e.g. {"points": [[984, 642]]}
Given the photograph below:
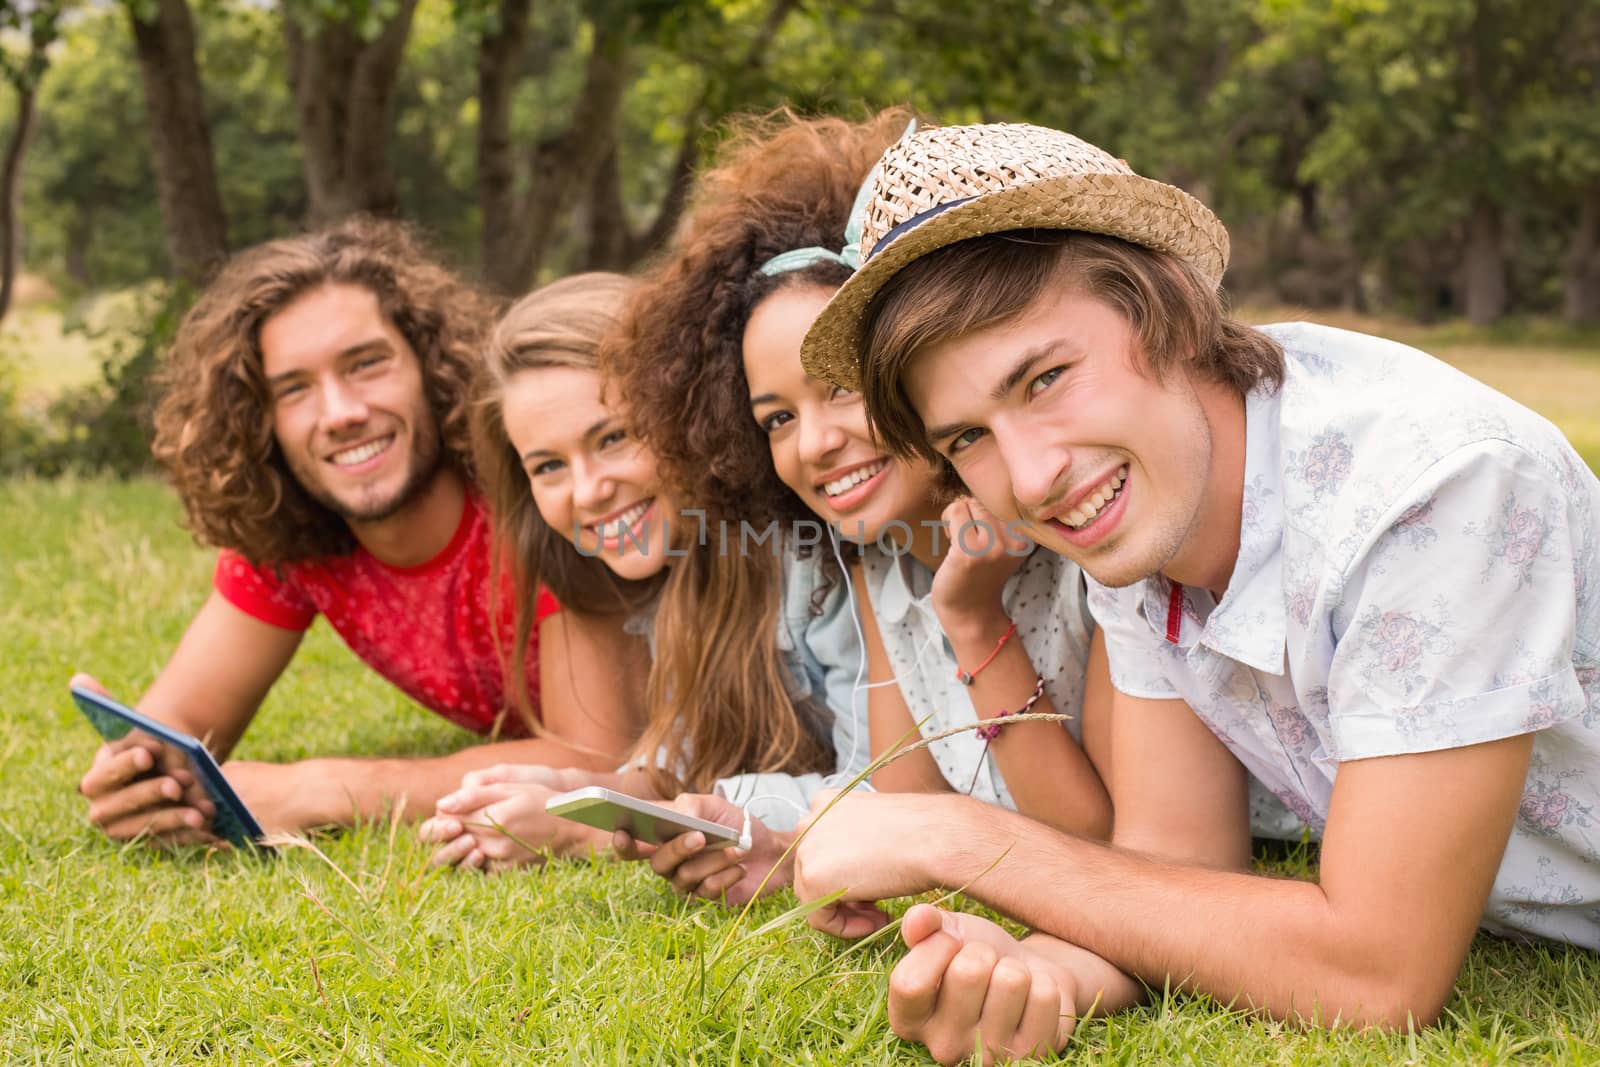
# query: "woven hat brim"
{"points": [[1137, 209]]}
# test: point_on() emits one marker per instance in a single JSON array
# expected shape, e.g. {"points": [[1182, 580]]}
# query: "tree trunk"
{"points": [[1485, 263], [679, 182], [563, 166], [186, 176], [500, 57], [80, 245], [1582, 274], [343, 91], [609, 237], [613, 243], [11, 195]]}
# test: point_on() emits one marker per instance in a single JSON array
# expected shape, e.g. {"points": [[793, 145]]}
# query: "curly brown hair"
{"points": [[781, 183], [213, 425]]}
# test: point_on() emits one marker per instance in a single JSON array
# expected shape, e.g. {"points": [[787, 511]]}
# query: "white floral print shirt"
{"points": [[1417, 571]]}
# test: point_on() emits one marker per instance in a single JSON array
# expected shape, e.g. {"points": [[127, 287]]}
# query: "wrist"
{"points": [[975, 631], [970, 826], [334, 792]]}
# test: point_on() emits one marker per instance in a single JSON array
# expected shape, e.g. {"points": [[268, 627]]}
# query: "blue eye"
{"points": [[1045, 380], [964, 438]]}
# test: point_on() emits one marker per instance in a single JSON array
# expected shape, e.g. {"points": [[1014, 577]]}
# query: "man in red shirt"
{"points": [[314, 422]]}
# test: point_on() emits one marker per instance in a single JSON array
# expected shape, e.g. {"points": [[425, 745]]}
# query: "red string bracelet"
{"points": [[966, 678], [992, 731]]}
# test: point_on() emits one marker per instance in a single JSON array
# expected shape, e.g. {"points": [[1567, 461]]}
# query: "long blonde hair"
{"points": [[559, 325], [717, 694]]}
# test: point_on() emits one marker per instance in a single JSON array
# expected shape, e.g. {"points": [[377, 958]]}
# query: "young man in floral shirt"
{"points": [[1322, 558]]}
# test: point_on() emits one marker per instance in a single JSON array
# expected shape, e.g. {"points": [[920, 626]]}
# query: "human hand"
{"points": [[138, 786], [967, 586], [871, 846], [966, 986], [494, 822], [558, 779], [732, 875]]}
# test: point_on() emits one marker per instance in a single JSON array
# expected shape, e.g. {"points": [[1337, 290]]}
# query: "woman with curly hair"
{"points": [[710, 364], [754, 655], [314, 422]]}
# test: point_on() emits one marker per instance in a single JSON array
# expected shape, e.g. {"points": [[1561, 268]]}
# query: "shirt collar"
{"points": [[894, 600]]}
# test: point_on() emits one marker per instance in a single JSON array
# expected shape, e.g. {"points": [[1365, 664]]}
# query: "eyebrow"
{"points": [[764, 398], [1020, 370], [590, 432]]}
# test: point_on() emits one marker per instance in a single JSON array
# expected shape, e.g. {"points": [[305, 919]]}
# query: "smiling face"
{"points": [[593, 483], [348, 406], [821, 447], [1052, 419]]}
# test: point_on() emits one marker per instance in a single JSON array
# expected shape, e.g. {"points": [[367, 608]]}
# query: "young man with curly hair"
{"points": [[1322, 558], [314, 422]]}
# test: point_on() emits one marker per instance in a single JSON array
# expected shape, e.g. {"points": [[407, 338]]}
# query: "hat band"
{"points": [[913, 222]]}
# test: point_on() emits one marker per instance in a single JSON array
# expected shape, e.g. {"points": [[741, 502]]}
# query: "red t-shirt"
{"points": [[427, 628]]}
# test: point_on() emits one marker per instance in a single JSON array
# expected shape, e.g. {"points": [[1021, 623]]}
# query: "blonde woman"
{"points": [[742, 662]]}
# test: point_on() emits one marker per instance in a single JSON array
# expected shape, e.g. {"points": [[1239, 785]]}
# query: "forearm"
{"points": [[1048, 774], [1050, 777], [342, 790], [1269, 944]]}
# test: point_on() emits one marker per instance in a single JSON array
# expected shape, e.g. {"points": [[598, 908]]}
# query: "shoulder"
{"points": [[1368, 428]]}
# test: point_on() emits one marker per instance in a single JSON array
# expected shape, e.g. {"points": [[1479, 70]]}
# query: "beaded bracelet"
{"points": [[965, 678], [992, 731]]}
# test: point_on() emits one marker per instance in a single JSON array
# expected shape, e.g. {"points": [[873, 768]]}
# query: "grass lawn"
{"points": [[354, 952]]}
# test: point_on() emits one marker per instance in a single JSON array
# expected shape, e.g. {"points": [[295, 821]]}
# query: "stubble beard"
{"points": [[1169, 539], [424, 463]]}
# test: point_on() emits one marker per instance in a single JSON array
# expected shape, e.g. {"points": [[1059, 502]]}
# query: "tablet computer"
{"points": [[606, 809], [233, 821]]}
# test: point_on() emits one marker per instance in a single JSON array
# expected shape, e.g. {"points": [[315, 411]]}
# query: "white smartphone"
{"points": [[606, 809]]}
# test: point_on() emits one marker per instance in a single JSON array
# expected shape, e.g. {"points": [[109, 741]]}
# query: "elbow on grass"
{"points": [[1395, 1002]]}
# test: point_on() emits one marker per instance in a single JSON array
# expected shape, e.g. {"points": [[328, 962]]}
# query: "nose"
{"points": [[1037, 471], [343, 405], [820, 437], [592, 486]]}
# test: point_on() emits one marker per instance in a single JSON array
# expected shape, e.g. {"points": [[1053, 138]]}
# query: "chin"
{"points": [[636, 566]]}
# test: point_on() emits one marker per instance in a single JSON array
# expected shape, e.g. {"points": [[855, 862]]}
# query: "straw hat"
{"points": [[947, 184]]}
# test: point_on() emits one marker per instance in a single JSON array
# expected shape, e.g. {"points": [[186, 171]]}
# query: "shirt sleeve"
{"points": [[1133, 649], [260, 594], [1458, 620], [545, 606], [823, 647]]}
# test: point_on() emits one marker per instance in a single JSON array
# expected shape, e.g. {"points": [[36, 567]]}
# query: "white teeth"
{"points": [[854, 478], [1090, 507], [360, 454], [613, 531]]}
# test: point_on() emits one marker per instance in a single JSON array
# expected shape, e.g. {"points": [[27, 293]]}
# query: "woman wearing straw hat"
{"points": [[1322, 558]]}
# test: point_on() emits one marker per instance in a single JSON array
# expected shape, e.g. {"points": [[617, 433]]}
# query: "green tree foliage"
{"points": [[1362, 151]]}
